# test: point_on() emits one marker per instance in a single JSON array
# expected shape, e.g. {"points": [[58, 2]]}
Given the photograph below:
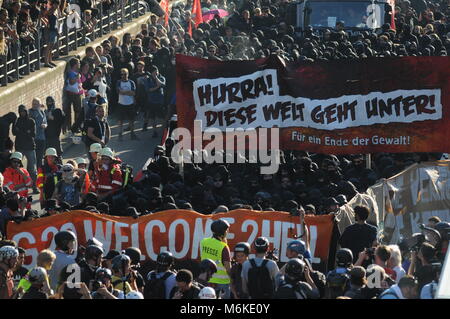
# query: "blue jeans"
{"points": [[225, 288], [31, 163]]}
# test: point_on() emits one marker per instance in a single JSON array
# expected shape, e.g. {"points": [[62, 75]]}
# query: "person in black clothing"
{"points": [[25, 131], [55, 119], [20, 271], [97, 128], [37, 277], [186, 288], [360, 235], [88, 266], [5, 124]]}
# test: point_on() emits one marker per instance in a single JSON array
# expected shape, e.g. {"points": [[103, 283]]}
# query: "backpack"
{"points": [[391, 293], [260, 284], [127, 174], [337, 284], [155, 288], [289, 291]]}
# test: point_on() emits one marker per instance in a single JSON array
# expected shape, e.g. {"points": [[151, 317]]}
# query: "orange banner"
{"points": [[178, 231]]}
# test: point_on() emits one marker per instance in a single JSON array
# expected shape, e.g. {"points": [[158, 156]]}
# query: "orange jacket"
{"points": [[108, 180], [12, 178]]}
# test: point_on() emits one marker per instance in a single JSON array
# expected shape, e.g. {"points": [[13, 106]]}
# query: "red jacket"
{"points": [[12, 178], [108, 180]]}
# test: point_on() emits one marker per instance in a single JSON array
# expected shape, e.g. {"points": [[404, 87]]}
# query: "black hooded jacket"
{"points": [[25, 132], [5, 124]]}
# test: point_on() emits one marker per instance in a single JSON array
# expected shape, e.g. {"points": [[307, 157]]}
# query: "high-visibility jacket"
{"points": [[212, 248], [12, 178], [108, 179], [44, 172]]}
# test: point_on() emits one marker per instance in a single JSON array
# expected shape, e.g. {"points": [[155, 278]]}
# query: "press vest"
{"points": [[211, 248]]}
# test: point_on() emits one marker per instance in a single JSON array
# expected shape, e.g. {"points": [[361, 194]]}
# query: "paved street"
{"points": [[132, 152]]}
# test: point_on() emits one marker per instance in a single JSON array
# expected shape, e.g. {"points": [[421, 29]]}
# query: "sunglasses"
{"points": [[15, 161], [67, 170]]}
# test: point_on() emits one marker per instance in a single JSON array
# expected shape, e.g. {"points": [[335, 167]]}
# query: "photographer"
{"points": [[69, 188], [102, 287], [154, 86], [12, 211], [91, 262], [380, 256], [360, 235], [421, 264], [123, 278], [259, 273], [292, 287]]}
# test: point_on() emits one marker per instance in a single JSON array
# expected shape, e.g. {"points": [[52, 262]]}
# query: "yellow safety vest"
{"points": [[211, 248]]}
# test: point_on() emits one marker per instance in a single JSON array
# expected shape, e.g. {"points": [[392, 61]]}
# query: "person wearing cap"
{"points": [[25, 131], [15, 177], [82, 166], [90, 104], [68, 189], [48, 175], [55, 119], [241, 252], [108, 179], [107, 260]]}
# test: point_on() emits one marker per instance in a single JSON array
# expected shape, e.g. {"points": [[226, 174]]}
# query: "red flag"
{"points": [[197, 11], [165, 6], [190, 28]]}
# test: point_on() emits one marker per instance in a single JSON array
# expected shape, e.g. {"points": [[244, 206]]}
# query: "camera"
{"points": [[370, 252], [271, 254], [415, 242], [96, 285]]}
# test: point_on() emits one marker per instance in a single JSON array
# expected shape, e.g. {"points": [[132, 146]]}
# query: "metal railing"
{"points": [[23, 61]]}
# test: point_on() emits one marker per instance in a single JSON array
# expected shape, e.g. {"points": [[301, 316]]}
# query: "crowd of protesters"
{"points": [[135, 76], [410, 270]]}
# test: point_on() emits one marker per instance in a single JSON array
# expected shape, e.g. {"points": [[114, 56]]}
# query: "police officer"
{"points": [[48, 175], [216, 249], [292, 287]]}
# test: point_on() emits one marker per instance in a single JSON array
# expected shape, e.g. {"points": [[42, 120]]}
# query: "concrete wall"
{"points": [[47, 81]]}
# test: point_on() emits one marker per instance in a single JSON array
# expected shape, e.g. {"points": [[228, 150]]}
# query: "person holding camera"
{"points": [[360, 235], [421, 264], [69, 188], [123, 278], [154, 85], [380, 256], [90, 263], [259, 273], [102, 287], [292, 286], [186, 287]]}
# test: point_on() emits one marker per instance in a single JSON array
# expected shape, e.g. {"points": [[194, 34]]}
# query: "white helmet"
{"points": [[207, 293], [37, 275], [51, 152], [134, 295], [17, 156], [107, 152], [81, 160], [7, 252], [95, 148]]}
